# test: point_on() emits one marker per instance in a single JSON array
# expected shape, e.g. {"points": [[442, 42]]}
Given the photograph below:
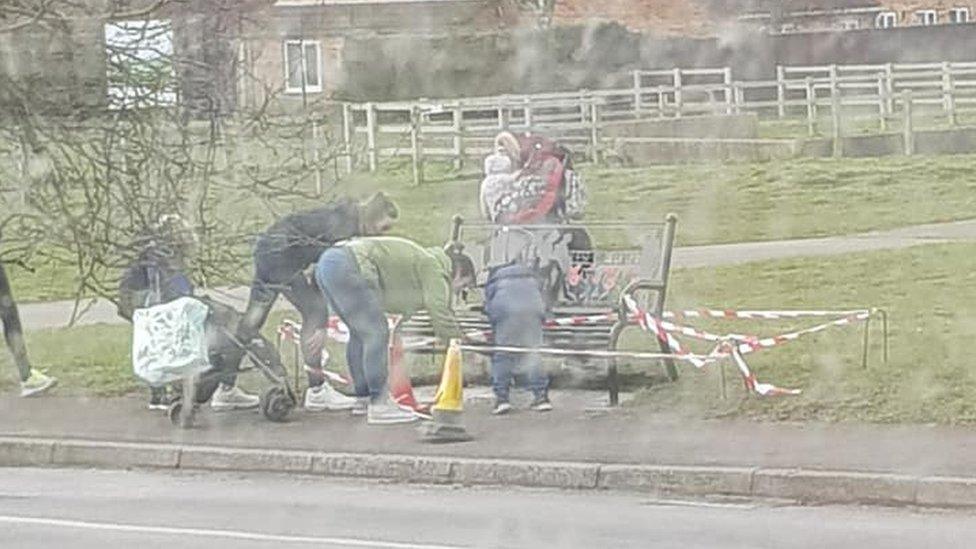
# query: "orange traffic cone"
{"points": [[400, 387], [448, 402]]}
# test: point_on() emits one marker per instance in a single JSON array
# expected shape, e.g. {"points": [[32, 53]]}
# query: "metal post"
{"points": [[347, 136], [739, 98], [527, 110], [371, 151], [504, 115], [583, 106], [948, 93], [416, 145], [835, 108], [660, 101], [882, 104], [670, 224], [317, 158], [594, 130], [727, 89], [867, 343], [678, 96], [811, 95], [909, 134], [458, 120], [781, 91], [889, 71], [638, 106]]}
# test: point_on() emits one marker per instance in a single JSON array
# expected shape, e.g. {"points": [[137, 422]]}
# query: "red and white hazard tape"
{"points": [[731, 345]]}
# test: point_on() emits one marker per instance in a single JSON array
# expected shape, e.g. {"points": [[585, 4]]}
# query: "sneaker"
{"points": [[502, 407], [158, 399], [325, 397], [233, 398], [541, 404], [385, 412], [36, 384], [360, 407]]}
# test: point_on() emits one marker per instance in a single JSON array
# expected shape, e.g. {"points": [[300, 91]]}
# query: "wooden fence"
{"points": [[825, 99]]}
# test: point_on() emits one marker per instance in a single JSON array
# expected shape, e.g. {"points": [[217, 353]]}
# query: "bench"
{"points": [[586, 268]]}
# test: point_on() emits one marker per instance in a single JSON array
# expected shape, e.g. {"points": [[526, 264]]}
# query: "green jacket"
{"points": [[410, 278]]}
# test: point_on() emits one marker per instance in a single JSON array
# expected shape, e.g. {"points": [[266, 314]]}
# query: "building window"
{"points": [[302, 66], [886, 20], [926, 17], [141, 72], [959, 15]]}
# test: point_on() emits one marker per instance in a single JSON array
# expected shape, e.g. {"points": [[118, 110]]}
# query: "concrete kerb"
{"points": [[815, 487]]}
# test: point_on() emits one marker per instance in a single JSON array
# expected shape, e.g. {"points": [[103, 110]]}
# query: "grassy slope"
{"points": [[716, 203], [930, 292]]}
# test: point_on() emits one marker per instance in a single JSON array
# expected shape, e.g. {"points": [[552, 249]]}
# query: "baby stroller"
{"points": [[223, 351]]}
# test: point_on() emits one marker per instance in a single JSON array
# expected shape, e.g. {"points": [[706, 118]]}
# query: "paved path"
{"points": [[573, 432], [37, 316], [216, 511]]}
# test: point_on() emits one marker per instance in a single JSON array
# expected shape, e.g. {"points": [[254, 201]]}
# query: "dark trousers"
{"points": [[13, 333], [358, 305]]}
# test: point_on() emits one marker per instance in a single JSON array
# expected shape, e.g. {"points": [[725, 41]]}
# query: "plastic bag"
{"points": [[169, 341]]}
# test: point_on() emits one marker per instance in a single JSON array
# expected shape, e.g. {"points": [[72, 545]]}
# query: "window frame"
{"points": [[922, 17], [879, 21], [954, 15], [303, 44]]}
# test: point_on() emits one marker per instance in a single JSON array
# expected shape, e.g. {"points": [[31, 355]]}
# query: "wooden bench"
{"points": [[582, 281]]}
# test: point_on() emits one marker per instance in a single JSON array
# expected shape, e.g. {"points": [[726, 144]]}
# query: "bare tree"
{"points": [[94, 182]]}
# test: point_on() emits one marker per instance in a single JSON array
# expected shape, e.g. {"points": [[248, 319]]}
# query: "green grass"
{"points": [[930, 294], [715, 203], [929, 291]]}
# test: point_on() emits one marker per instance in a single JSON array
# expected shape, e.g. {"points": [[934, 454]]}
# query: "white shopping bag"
{"points": [[169, 341]]}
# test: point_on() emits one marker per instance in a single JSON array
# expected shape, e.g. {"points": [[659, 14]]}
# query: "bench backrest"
{"points": [[583, 266]]}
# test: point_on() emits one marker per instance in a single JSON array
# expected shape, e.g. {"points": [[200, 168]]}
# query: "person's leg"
{"points": [[354, 358], [359, 306], [313, 307], [12, 332]]}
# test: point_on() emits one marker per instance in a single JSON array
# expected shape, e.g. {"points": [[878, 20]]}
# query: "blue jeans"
{"points": [[358, 305], [516, 312]]}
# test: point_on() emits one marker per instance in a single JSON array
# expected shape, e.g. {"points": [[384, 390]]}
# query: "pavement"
{"points": [[149, 509], [580, 445], [57, 314]]}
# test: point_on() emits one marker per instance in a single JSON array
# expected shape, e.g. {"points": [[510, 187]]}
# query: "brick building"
{"points": [[305, 49]]}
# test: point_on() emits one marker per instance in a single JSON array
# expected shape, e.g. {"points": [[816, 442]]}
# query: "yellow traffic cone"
{"points": [[448, 402]]}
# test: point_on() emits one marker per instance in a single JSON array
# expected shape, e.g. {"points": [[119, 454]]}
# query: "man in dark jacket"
{"points": [[282, 254], [516, 311]]}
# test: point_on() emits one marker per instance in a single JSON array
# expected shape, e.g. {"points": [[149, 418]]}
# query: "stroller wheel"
{"points": [[276, 404]]}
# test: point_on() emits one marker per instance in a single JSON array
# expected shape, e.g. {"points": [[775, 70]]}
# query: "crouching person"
{"points": [[366, 278], [516, 311], [158, 276]]}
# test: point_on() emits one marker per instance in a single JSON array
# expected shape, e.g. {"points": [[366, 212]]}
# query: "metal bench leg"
{"points": [[613, 383]]}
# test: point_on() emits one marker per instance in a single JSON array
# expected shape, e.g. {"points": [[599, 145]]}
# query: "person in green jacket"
{"points": [[366, 278]]}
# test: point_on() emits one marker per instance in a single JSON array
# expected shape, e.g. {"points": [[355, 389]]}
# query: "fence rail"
{"points": [[824, 98]]}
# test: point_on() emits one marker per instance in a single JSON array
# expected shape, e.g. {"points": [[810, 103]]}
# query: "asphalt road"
{"points": [[57, 314], [97, 509]]}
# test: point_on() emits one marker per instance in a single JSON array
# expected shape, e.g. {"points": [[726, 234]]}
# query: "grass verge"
{"points": [[929, 291]]}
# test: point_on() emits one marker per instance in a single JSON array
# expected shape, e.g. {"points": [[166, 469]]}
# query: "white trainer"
{"points": [[386, 412], [233, 398], [325, 397], [361, 407]]}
